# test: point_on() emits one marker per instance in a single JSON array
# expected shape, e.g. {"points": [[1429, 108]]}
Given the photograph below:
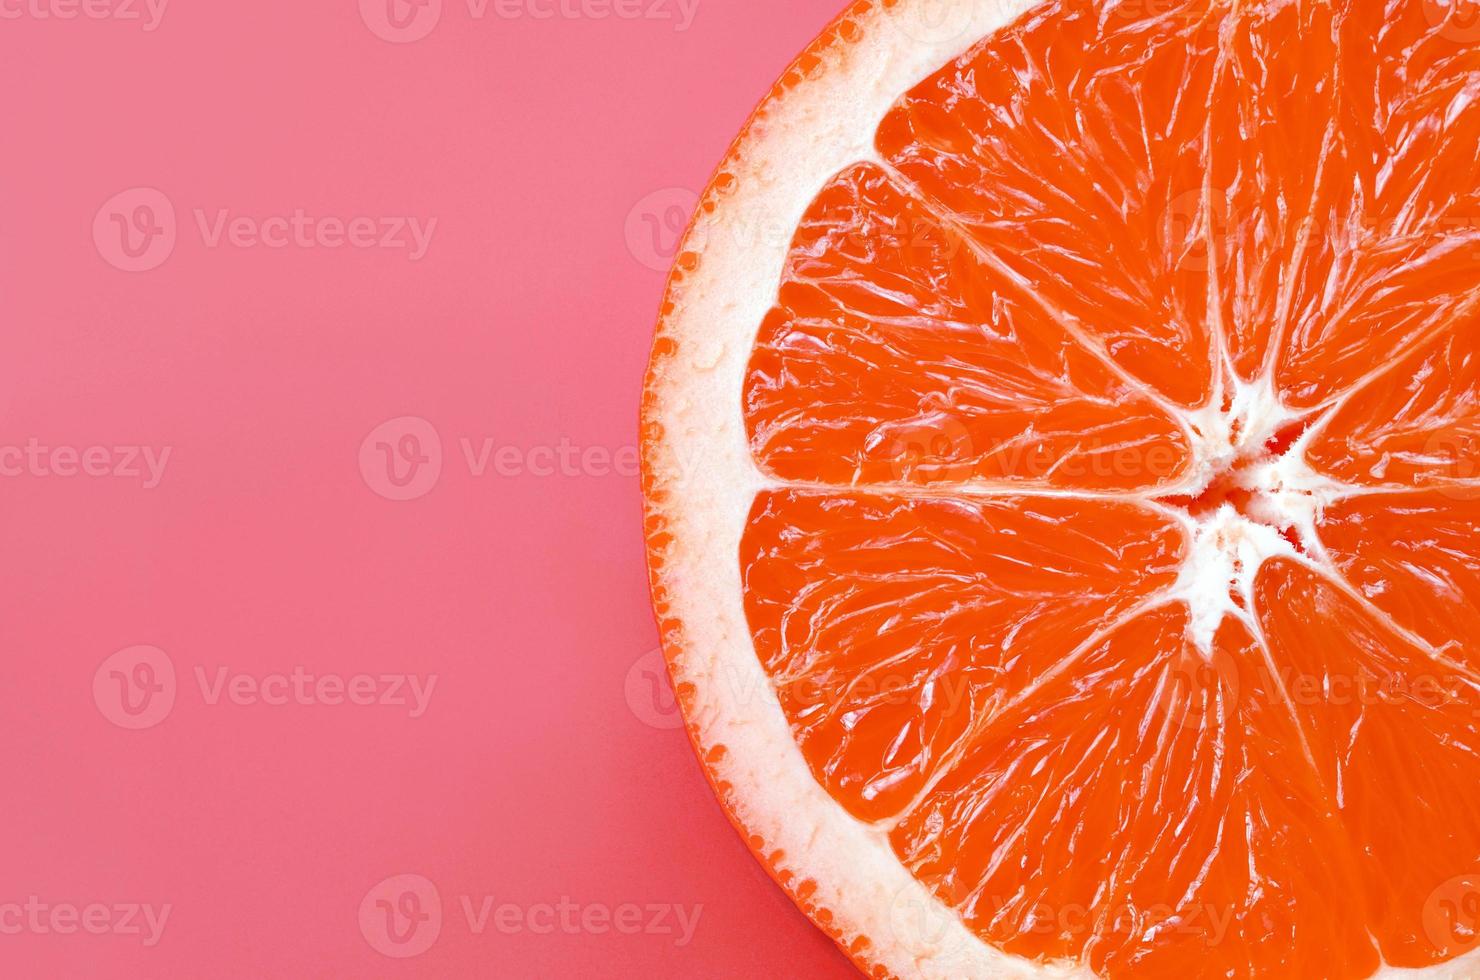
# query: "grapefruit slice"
{"points": [[1060, 492]]}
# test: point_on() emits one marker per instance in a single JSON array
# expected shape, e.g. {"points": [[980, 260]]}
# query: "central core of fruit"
{"points": [[1256, 499], [1254, 486]]}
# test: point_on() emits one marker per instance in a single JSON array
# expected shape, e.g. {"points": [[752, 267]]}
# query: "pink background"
{"points": [[543, 767]]}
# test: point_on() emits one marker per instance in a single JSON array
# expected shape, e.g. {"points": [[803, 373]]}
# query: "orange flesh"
{"points": [[967, 394]]}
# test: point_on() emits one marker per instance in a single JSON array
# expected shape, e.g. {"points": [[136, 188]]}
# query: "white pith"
{"points": [[702, 461], [1225, 548]]}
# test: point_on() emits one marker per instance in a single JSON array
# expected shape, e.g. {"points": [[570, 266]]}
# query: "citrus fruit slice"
{"points": [[1059, 461]]}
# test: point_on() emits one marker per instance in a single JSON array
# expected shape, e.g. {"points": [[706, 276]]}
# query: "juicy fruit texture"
{"points": [[895, 334], [978, 598], [1121, 560]]}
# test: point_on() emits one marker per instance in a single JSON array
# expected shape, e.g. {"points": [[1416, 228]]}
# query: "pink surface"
{"points": [[249, 253]]}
